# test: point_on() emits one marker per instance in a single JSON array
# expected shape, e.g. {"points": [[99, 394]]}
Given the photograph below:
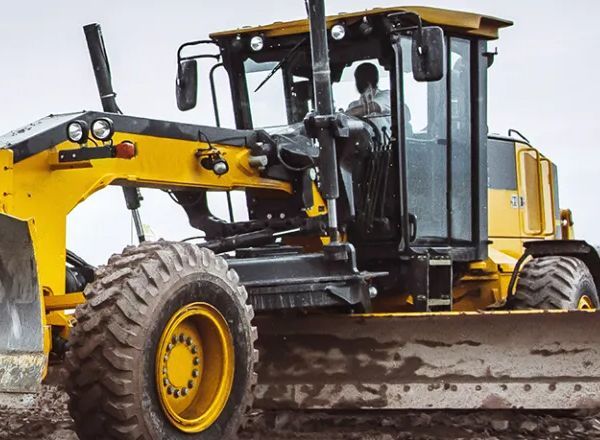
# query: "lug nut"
{"points": [[176, 394], [194, 349], [174, 339], [165, 381], [188, 341], [196, 361], [195, 373], [169, 347], [184, 392], [181, 337], [191, 384], [170, 390]]}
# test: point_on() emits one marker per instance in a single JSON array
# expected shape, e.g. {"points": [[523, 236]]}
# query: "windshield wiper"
{"points": [[280, 64]]}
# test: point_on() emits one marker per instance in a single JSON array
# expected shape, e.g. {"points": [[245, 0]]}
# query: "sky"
{"points": [[541, 84]]}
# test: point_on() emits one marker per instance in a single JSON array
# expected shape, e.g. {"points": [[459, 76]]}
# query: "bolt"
{"points": [[191, 384], [170, 390], [170, 347], [184, 392], [196, 361], [165, 381], [195, 373], [188, 341], [176, 394], [166, 357], [181, 337], [174, 339], [194, 349], [165, 370]]}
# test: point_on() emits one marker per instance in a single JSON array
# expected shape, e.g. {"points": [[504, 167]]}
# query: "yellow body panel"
{"points": [[514, 217], [44, 191]]}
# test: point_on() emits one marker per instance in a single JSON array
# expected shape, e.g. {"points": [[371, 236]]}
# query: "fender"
{"points": [[587, 253]]}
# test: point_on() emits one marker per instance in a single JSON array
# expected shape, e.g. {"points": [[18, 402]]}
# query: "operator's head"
{"points": [[366, 75]]}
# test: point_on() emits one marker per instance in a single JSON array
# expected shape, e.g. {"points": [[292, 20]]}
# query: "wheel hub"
{"points": [[585, 303], [192, 393]]}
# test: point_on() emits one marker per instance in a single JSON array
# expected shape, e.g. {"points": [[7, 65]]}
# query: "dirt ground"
{"points": [[49, 419]]}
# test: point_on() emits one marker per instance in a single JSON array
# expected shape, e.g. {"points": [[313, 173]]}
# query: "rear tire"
{"points": [[112, 361], [554, 283]]}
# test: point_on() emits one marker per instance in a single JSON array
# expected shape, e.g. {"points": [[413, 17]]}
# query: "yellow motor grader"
{"points": [[395, 254]]}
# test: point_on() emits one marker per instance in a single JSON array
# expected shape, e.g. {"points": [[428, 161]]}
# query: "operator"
{"points": [[372, 99], [373, 102]]}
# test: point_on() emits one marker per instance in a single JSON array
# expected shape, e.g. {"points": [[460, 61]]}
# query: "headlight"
{"points": [[338, 31], [77, 131], [102, 129], [257, 43]]}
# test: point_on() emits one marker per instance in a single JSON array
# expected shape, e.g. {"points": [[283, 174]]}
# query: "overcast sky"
{"points": [[543, 83]]}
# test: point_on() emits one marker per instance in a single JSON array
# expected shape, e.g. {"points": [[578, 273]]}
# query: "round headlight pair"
{"points": [[102, 130]]}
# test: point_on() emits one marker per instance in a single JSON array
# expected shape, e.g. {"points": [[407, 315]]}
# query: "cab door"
{"points": [[503, 197]]}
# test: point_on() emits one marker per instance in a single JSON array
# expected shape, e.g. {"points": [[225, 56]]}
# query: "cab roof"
{"points": [[463, 22]]}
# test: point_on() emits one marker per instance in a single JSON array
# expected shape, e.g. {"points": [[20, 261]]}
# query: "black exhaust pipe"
{"points": [[95, 42]]}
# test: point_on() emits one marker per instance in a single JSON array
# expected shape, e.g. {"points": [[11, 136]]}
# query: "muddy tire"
{"points": [[554, 283], [112, 360]]}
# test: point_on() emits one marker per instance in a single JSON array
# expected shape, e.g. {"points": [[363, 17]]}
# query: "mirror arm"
{"points": [[197, 57], [195, 43]]}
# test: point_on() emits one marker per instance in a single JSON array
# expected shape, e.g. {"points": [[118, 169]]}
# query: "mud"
{"points": [[49, 419]]}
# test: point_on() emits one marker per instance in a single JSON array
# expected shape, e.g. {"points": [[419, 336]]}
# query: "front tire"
{"points": [[555, 283], [153, 313]]}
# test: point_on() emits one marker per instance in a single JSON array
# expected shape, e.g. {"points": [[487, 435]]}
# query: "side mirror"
{"points": [[187, 84], [428, 54]]}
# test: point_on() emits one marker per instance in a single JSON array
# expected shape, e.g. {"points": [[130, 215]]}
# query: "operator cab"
{"points": [[413, 171]]}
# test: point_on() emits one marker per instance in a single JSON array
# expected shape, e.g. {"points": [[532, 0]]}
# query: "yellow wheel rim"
{"points": [[195, 367], [585, 303]]}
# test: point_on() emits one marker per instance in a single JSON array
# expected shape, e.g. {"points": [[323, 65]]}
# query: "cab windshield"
{"points": [[286, 97]]}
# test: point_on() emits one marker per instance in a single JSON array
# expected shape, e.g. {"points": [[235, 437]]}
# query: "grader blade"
{"points": [[22, 358], [496, 360]]}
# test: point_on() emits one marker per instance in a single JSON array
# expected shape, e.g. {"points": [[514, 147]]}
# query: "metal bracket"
{"points": [[86, 153], [336, 123]]}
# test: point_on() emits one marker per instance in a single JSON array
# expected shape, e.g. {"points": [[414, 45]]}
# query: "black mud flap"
{"points": [[22, 357]]}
